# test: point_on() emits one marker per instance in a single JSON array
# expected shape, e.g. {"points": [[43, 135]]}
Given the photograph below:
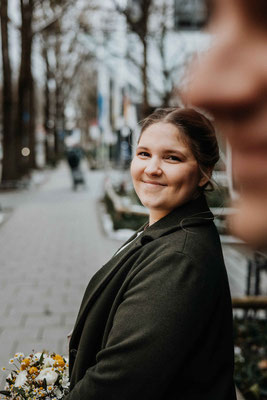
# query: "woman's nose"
{"points": [[153, 167]]}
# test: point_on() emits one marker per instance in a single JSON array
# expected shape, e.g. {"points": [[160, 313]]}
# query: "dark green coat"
{"points": [[156, 320]]}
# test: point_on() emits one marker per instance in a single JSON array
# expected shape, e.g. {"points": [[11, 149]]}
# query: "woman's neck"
{"points": [[155, 216]]}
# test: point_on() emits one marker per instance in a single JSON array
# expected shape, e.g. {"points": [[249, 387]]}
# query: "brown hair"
{"points": [[198, 133]]}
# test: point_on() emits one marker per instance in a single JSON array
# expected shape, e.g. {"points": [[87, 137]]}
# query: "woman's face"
{"points": [[164, 170]]}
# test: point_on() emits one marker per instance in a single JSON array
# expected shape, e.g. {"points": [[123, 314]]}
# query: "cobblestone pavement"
{"points": [[51, 244]]}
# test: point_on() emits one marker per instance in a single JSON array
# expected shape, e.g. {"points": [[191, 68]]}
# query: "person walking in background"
{"points": [[230, 82], [156, 320], [74, 156]]}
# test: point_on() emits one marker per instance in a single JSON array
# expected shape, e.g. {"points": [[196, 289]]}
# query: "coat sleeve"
{"points": [[167, 303]]}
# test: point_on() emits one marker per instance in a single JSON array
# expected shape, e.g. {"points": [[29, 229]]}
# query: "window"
{"points": [[189, 14]]}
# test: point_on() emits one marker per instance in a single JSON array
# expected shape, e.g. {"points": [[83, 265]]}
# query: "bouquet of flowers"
{"points": [[38, 376]]}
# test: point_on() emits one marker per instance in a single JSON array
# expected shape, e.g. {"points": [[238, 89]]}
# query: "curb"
{"points": [[5, 214]]}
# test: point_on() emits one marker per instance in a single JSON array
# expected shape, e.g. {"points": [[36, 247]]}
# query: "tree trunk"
{"points": [[59, 107], [25, 123], [145, 103], [47, 107], [9, 167], [57, 125]]}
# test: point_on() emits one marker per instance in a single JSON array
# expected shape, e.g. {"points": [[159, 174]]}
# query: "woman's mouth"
{"points": [[154, 183]]}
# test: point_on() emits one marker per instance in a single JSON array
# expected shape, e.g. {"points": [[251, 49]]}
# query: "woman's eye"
{"points": [[143, 154], [173, 158]]}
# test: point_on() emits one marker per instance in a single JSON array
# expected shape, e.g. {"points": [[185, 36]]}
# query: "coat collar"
{"points": [[195, 212]]}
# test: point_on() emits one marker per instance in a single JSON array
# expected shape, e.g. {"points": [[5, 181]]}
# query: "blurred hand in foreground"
{"points": [[230, 82]]}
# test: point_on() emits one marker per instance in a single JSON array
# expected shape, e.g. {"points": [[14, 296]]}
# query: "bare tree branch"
{"points": [[48, 25]]}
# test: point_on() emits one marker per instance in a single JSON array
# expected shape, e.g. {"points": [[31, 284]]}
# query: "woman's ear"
{"points": [[205, 177]]}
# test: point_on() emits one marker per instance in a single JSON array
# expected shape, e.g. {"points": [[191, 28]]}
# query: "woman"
{"points": [[156, 321]]}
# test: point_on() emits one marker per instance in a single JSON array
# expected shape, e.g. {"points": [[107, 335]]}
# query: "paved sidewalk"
{"points": [[51, 245]]}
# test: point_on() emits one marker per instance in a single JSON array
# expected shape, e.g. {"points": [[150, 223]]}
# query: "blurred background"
{"points": [[77, 71], [75, 79]]}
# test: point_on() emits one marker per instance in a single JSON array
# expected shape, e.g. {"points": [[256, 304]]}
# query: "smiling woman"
{"points": [[156, 320], [164, 170]]}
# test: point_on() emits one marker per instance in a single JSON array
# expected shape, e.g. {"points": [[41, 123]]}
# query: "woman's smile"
{"points": [[153, 183]]}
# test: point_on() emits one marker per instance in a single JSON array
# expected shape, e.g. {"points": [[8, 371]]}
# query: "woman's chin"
{"points": [[150, 202]]}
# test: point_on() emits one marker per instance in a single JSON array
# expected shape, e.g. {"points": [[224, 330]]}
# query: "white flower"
{"points": [[37, 356], [238, 354], [58, 393], [237, 351], [65, 381], [19, 355], [49, 375], [49, 362], [21, 379]]}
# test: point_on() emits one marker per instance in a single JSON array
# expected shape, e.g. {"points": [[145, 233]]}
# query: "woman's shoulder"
{"points": [[197, 247], [175, 257], [187, 239]]}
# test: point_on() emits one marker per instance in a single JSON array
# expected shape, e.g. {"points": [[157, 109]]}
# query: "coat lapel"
{"points": [[195, 212], [104, 275]]}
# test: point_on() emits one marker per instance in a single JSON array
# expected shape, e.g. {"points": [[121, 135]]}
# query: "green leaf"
{"points": [[44, 384], [19, 390], [41, 358], [5, 393]]}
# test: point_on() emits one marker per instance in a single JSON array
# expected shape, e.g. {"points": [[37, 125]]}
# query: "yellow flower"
{"points": [[25, 363], [33, 370], [57, 357], [59, 363], [3, 368]]}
